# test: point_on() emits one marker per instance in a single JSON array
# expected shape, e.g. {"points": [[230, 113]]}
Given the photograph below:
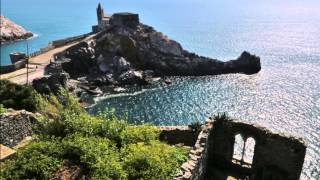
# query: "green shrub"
{"points": [[222, 117], [196, 126], [17, 96], [155, 160], [48, 105], [2, 109], [143, 133], [99, 155], [38, 160], [90, 125]]}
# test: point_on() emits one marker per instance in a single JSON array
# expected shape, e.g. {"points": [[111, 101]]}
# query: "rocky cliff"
{"points": [[9, 31], [129, 52]]}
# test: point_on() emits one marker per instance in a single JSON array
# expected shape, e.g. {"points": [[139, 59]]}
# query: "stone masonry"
{"points": [[276, 156], [15, 126]]}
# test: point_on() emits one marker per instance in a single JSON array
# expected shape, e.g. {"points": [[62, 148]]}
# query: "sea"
{"points": [[284, 96]]}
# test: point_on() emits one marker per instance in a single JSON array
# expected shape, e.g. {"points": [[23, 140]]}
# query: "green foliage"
{"points": [[36, 161], [143, 133], [99, 155], [155, 160], [48, 106], [93, 126], [221, 117], [2, 109], [196, 126], [17, 96]]}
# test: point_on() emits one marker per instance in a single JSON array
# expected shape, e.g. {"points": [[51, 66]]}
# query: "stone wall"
{"points": [[125, 19], [13, 67], [179, 135], [58, 43], [15, 126], [274, 154], [195, 167], [62, 42]]}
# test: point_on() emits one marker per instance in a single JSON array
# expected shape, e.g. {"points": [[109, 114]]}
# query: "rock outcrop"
{"points": [[9, 31], [51, 84], [127, 51]]}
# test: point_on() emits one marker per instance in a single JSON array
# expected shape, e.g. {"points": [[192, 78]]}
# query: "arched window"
{"points": [[238, 147], [249, 150], [243, 151]]}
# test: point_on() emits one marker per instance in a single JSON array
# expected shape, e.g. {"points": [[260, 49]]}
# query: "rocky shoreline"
{"points": [[9, 31], [131, 53]]}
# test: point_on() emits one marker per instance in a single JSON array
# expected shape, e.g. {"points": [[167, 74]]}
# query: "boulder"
{"points": [[82, 58], [120, 64], [51, 84], [100, 80], [131, 77]]}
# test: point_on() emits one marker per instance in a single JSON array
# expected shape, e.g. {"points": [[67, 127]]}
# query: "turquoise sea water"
{"points": [[284, 96]]}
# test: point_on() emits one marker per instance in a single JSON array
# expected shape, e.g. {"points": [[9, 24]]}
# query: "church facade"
{"points": [[103, 20]]}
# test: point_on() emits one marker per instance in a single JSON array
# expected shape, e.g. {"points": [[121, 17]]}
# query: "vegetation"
{"points": [[196, 126], [2, 109], [222, 117], [17, 96], [154, 160], [104, 146]]}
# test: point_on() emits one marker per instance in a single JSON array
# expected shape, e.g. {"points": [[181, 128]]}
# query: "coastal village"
{"points": [[119, 52]]}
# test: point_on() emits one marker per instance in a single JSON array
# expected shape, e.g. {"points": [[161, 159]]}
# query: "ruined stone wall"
{"points": [[278, 151], [15, 126], [196, 165], [272, 152], [179, 135]]}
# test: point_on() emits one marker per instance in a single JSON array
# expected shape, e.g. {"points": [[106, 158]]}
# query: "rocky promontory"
{"points": [[9, 31], [128, 52]]}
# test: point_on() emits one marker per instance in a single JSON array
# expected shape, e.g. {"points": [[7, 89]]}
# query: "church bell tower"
{"points": [[100, 14]]}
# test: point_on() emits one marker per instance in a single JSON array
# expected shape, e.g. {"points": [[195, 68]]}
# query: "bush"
{"points": [[142, 133], [99, 155], [17, 96], [222, 117], [153, 161], [48, 106], [38, 160], [2, 109]]}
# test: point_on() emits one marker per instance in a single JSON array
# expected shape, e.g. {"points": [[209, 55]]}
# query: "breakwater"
{"points": [[58, 43], [51, 45]]}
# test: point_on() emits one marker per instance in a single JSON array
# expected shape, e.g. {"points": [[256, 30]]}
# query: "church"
{"points": [[103, 20]]}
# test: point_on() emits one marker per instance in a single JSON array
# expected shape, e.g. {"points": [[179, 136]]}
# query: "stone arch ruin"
{"points": [[273, 155]]}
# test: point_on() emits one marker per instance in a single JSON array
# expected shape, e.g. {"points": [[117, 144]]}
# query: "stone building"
{"points": [[103, 20], [117, 19]]}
